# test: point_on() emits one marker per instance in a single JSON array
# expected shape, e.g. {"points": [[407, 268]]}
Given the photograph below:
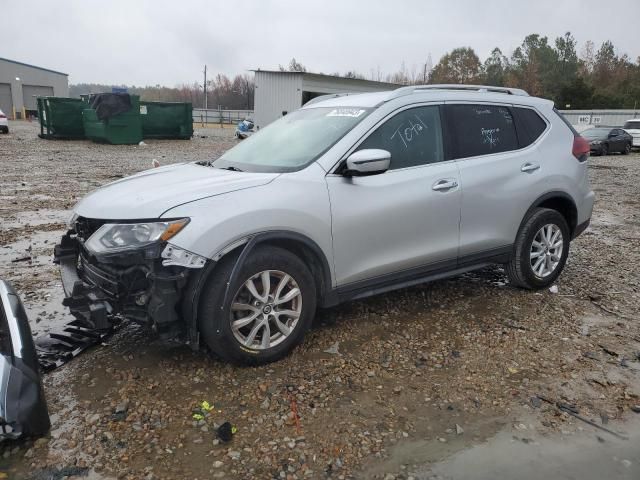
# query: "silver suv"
{"points": [[350, 196]]}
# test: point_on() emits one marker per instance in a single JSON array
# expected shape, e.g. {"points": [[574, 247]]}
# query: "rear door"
{"points": [[618, 140], [500, 173], [389, 225]]}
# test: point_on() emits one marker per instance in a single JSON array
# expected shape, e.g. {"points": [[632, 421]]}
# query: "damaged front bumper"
{"points": [[23, 409], [144, 285]]}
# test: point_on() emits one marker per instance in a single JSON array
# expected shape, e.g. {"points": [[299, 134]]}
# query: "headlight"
{"points": [[115, 237], [596, 142]]}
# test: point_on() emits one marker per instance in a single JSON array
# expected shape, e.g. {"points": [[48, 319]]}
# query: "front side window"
{"points": [[292, 142], [482, 130], [413, 137]]}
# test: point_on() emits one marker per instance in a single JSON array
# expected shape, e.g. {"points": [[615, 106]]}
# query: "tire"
{"points": [[5, 130], [627, 149], [604, 150], [215, 319], [520, 269]]}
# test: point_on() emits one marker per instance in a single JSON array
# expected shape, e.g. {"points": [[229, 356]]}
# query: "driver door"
{"points": [[402, 222]]}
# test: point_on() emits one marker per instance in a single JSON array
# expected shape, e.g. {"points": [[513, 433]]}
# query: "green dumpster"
{"points": [[166, 120], [60, 118], [113, 118]]}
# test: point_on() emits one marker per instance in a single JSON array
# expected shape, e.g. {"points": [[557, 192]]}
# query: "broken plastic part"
{"points": [[177, 256]]}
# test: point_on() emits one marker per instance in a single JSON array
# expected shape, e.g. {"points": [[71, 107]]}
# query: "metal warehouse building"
{"points": [[278, 93], [21, 83]]}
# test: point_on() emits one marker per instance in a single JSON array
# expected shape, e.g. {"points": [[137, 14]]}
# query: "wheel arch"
{"points": [[559, 201], [302, 246]]}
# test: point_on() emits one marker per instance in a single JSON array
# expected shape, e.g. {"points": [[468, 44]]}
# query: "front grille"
{"points": [[116, 281]]}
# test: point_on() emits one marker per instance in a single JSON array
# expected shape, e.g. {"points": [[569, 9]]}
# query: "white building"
{"points": [[21, 83], [278, 93]]}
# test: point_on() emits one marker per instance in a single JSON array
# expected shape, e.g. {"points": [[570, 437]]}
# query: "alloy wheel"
{"points": [[265, 310], [546, 250]]}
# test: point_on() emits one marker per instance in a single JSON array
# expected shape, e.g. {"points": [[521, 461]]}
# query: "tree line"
{"points": [[593, 78]]}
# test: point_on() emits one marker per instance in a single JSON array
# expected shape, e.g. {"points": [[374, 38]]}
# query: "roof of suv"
{"points": [[478, 93]]}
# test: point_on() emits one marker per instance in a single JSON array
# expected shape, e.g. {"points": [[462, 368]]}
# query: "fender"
{"points": [[192, 297], [548, 196]]}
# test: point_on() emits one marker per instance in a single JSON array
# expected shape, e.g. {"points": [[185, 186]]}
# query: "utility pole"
{"points": [[205, 87]]}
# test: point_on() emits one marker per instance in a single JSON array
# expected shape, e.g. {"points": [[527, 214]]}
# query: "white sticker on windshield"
{"points": [[345, 112]]}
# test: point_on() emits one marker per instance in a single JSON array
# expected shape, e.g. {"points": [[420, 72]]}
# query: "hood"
{"points": [[150, 193]]}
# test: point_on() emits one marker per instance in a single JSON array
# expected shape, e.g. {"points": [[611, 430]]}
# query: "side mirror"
{"points": [[371, 161]]}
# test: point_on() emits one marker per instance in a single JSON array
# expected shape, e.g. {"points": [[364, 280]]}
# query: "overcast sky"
{"points": [[148, 42]]}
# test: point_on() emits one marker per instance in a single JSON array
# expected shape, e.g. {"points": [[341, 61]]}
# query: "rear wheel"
{"points": [[269, 308], [540, 251], [5, 129]]}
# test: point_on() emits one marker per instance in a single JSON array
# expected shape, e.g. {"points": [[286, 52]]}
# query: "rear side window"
{"points": [[482, 130], [413, 137], [529, 124]]}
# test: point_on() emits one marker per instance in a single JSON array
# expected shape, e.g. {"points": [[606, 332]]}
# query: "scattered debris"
{"points": [[225, 432], [333, 349], [608, 350], [21, 259], [155, 163], [553, 289], [573, 411], [459, 430]]}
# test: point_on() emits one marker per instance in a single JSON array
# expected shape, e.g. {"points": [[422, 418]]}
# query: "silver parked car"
{"points": [[344, 198]]}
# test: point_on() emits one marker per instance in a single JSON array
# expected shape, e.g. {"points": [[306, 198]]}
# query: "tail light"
{"points": [[581, 148], [2, 115]]}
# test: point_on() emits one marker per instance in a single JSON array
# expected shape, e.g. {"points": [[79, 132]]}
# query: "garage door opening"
{"points": [[29, 95], [6, 102], [306, 96]]}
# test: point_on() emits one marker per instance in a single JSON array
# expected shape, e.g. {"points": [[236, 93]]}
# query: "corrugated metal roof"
{"points": [[335, 77], [33, 66]]}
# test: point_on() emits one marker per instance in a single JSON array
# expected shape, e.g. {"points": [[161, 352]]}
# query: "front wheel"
{"points": [[627, 149], [269, 307], [540, 251], [604, 150]]}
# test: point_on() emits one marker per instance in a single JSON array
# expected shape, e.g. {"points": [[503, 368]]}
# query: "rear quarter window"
{"points": [[529, 124]]}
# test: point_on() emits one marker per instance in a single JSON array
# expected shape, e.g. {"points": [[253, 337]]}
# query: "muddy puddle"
{"points": [[520, 451]]}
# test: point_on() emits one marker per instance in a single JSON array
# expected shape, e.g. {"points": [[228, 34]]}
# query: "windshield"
{"points": [[633, 125], [595, 132], [292, 142]]}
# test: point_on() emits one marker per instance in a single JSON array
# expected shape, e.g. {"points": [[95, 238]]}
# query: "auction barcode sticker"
{"points": [[346, 112]]}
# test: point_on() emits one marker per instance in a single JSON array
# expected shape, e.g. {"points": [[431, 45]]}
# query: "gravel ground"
{"points": [[417, 375]]}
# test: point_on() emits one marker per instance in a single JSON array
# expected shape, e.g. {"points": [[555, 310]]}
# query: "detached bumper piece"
{"points": [[23, 409], [56, 349], [134, 285]]}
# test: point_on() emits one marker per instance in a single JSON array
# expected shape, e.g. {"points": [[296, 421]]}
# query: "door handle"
{"points": [[444, 184], [529, 167]]}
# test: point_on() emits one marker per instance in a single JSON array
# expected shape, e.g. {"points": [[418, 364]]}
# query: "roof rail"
{"points": [[402, 91], [322, 98]]}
